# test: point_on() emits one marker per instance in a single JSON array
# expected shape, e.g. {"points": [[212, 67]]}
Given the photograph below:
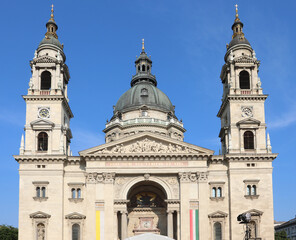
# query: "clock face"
{"points": [[247, 112], [44, 113], [147, 224]]}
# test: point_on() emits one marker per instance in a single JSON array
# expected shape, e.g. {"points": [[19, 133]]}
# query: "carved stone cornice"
{"points": [[250, 157], [121, 201], [172, 201], [42, 158], [218, 159], [229, 98], [105, 177]]}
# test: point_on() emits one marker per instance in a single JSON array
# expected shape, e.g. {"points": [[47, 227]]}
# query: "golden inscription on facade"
{"points": [[150, 164]]}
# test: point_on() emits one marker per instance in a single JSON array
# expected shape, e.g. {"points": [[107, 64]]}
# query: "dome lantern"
{"points": [[238, 37], [143, 69]]}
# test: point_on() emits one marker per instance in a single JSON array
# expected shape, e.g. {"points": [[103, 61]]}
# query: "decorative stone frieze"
{"points": [[109, 177], [91, 177], [100, 177], [203, 176], [148, 146], [188, 177], [121, 201]]}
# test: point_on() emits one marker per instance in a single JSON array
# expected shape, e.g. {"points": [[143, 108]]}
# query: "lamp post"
{"points": [[245, 218]]}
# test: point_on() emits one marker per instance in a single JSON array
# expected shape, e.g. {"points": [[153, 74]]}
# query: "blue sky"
{"points": [[186, 41]]}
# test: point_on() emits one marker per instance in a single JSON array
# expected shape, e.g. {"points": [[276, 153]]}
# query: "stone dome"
{"points": [[52, 41], [144, 93]]}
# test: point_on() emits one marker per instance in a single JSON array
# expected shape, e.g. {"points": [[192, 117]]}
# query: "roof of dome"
{"points": [[144, 93], [51, 40], [238, 40]]}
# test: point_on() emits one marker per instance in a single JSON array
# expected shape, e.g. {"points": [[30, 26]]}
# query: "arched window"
{"points": [[73, 192], [75, 231], [45, 80], [43, 192], [37, 191], [78, 193], [217, 231], [42, 141], [214, 193], [139, 68], [40, 234], [248, 190], [148, 68], [253, 190], [219, 192], [248, 140], [244, 80], [143, 68]]}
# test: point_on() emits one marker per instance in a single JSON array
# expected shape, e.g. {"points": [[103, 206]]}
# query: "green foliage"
{"points": [[8, 232], [281, 236]]}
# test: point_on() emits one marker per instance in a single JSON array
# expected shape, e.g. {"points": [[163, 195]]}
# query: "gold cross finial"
{"points": [[143, 47]]}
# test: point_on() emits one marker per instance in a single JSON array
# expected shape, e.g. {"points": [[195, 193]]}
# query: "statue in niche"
{"points": [[40, 231]]}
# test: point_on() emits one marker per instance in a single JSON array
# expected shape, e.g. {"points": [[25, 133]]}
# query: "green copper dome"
{"points": [[52, 41], [144, 93]]}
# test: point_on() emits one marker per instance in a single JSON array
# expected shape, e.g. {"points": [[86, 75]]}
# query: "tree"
{"points": [[281, 236], [8, 232]]}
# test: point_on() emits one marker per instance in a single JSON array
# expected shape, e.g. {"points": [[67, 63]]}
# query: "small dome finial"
{"points": [[51, 15], [236, 13], [143, 46]]}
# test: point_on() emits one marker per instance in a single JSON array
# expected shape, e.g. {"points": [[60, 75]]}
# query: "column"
{"points": [[170, 224], [123, 225], [115, 226], [184, 205], [178, 225]]}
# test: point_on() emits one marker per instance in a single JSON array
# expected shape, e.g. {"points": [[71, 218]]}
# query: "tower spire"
{"points": [[51, 26]]}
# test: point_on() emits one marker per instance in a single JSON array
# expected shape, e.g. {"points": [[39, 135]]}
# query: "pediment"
{"points": [[245, 59], [218, 214], [39, 214], [75, 215], [41, 124], [46, 59], [249, 121], [146, 143], [254, 212]]}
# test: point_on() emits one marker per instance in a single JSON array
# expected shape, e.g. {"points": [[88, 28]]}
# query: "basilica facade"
{"points": [[145, 180]]}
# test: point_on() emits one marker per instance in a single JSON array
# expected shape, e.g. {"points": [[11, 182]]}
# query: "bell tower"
{"points": [[48, 114], [243, 128]]}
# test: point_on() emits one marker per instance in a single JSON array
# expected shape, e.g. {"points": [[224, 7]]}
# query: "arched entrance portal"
{"points": [[147, 209]]}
